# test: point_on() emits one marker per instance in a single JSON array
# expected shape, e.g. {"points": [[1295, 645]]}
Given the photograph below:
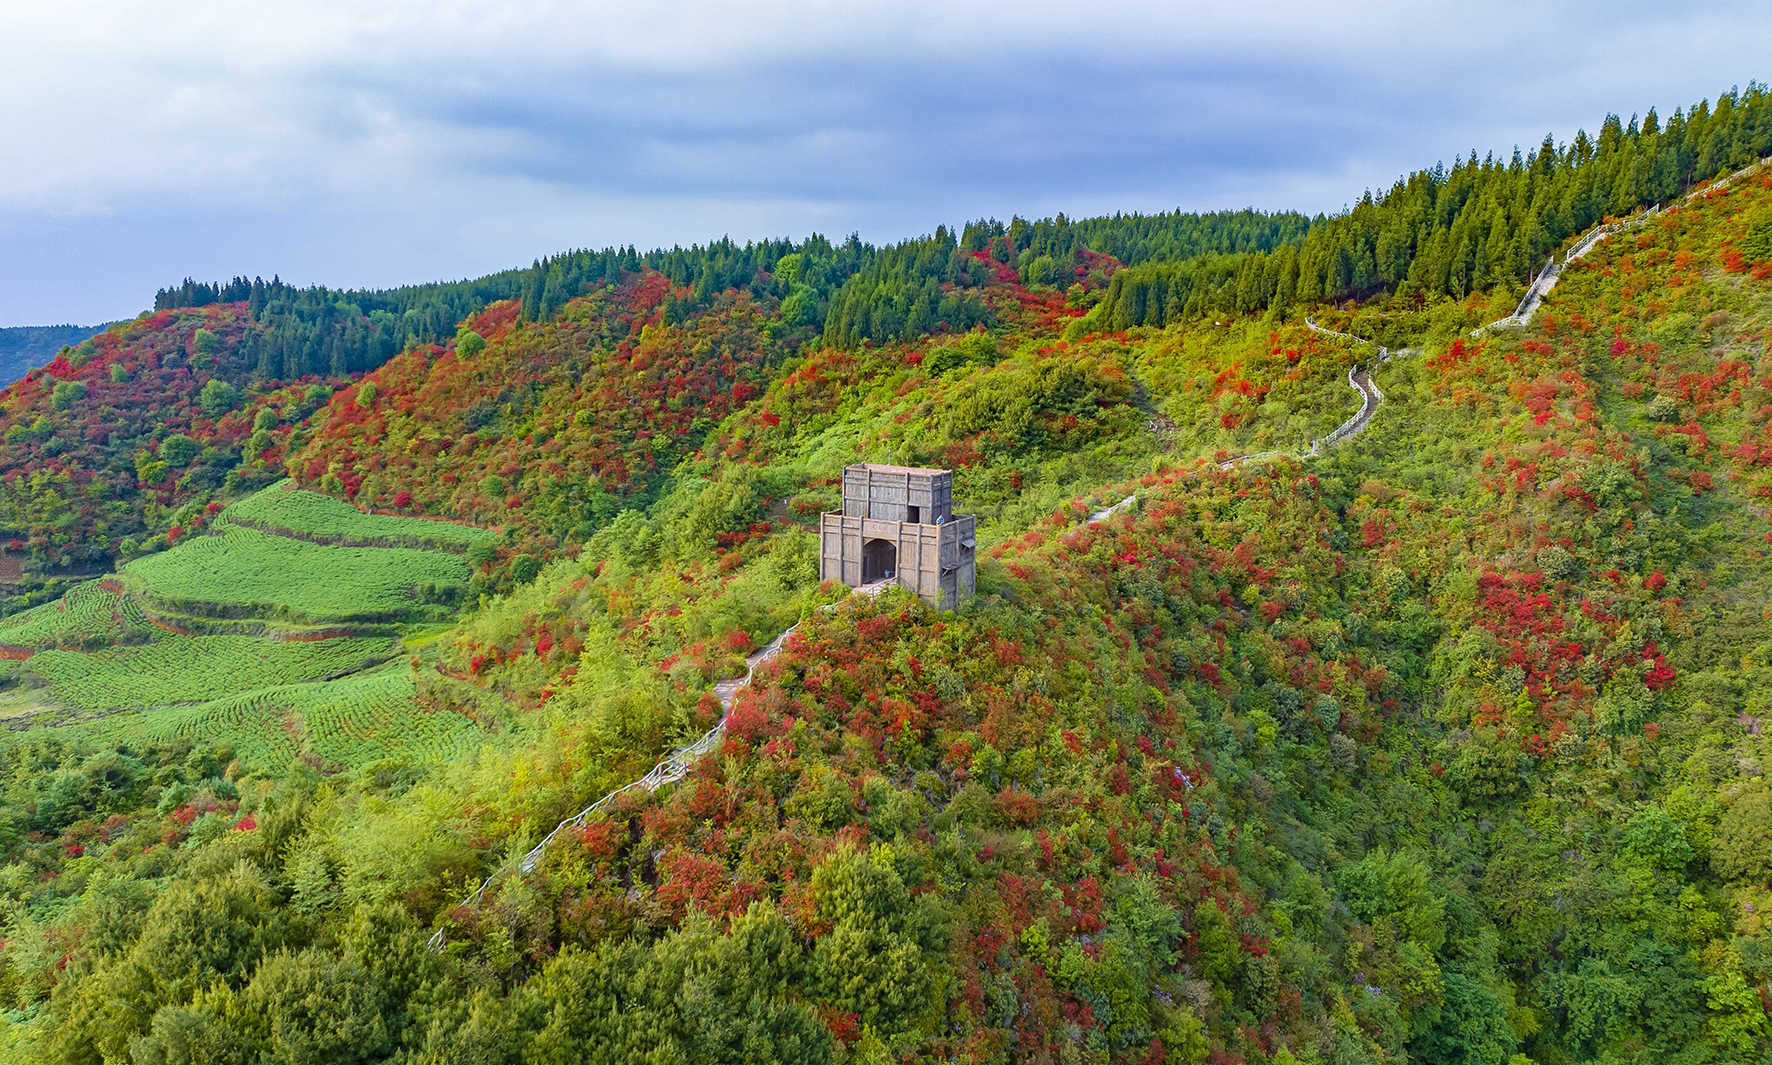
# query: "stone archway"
{"points": [[879, 560]]}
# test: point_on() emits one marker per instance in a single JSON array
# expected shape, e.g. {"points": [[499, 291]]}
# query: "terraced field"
{"points": [[309, 515], [183, 669], [85, 617], [244, 571], [347, 722], [111, 658]]}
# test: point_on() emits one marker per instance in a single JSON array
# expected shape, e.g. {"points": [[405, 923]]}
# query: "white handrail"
{"points": [[1105, 514], [675, 767], [1553, 270]]}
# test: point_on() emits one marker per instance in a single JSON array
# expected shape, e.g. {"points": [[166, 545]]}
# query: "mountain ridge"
{"points": [[25, 347]]}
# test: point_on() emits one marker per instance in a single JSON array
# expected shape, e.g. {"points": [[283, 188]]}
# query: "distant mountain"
{"points": [[26, 347]]}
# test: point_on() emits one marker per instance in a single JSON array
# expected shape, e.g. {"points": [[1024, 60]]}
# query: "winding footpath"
{"points": [[678, 763], [1358, 379], [1553, 270], [674, 767]]}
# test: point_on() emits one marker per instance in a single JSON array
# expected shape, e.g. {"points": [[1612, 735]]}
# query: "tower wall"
{"points": [[934, 556], [898, 493]]}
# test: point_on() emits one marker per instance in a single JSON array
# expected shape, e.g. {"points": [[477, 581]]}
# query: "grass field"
{"points": [[320, 517], [277, 576]]}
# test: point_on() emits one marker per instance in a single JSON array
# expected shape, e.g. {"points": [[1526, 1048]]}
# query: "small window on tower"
{"points": [[916, 514]]}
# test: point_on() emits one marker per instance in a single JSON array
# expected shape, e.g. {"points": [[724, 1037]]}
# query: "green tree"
{"points": [[1742, 847], [67, 393], [1659, 838], [1216, 942], [218, 397], [870, 963], [196, 936], [801, 307], [178, 450]]}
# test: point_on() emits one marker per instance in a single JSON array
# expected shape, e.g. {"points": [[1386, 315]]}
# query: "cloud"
{"points": [[354, 144]]}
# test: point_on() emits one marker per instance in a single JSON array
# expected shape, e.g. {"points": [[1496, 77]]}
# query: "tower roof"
{"points": [[880, 467]]}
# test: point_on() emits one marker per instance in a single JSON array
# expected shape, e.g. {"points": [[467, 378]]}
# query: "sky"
{"points": [[369, 144]]}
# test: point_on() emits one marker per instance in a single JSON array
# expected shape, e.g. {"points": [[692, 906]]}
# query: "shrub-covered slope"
{"points": [[1442, 746], [118, 445], [548, 427], [25, 347]]}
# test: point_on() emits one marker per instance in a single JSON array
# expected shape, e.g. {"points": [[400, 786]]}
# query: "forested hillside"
{"points": [[26, 347], [1444, 744], [118, 444], [1460, 230]]}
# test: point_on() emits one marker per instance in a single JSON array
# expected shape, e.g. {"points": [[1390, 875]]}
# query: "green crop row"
{"points": [[185, 669], [282, 506], [84, 616], [348, 722], [245, 571]]}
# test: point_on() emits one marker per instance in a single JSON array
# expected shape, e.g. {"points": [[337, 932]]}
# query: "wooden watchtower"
{"points": [[897, 524]]}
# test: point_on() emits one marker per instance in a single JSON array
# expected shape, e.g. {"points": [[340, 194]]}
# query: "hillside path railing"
{"points": [[678, 763], [1358, 379], [1553, 270], [674, 767]]}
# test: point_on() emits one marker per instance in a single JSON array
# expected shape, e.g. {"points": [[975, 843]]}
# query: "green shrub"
{"points": [[1756, 242], [1742, 847], [218, 397], [973, 349], [178, 450], [66, 394]]}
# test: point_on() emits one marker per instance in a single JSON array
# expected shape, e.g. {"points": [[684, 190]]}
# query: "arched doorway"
{"points": [[879, 560]]}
